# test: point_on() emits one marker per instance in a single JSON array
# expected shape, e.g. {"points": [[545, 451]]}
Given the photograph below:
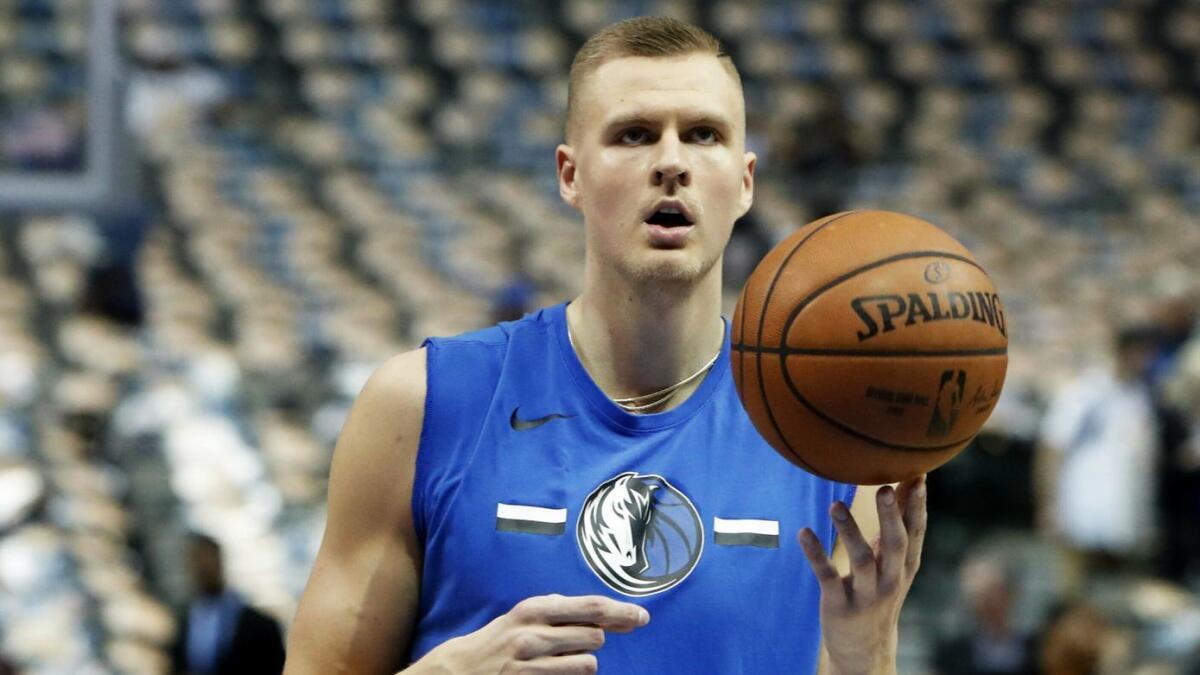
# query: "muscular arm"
{"points": [[357, 612]]}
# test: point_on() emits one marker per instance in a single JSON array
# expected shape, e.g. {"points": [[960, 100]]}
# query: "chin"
{"points": [[669, 266]]}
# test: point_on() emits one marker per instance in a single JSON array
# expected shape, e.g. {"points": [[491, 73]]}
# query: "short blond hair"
{"points": [[640, 36]]}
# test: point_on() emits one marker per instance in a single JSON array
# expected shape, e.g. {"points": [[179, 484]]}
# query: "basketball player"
{"points": [[523, 499]]}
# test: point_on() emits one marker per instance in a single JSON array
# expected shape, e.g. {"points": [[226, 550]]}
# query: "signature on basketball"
{"points": [[983, 400]]}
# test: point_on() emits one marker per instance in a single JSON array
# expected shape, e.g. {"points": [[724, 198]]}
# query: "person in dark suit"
{"points": [[990, 645], [219, 634]]}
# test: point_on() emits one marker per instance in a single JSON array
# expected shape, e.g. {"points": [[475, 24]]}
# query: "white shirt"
{"points": [[1106, 432]]}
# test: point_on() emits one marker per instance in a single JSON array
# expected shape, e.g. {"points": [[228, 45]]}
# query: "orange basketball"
{"points": [[869, 347]]}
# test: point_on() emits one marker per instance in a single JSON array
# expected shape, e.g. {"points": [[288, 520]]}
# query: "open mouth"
{"points": [[669, 217]]}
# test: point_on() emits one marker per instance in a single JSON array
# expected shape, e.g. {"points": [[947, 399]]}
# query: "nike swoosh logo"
{"points": [[519, 424]]}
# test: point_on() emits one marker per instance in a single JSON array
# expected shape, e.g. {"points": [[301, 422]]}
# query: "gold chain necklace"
{"points": [[640, 404]]}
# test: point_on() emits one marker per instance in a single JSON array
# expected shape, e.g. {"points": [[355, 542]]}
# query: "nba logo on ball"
{"points": [[949, 400], [639, 534]]}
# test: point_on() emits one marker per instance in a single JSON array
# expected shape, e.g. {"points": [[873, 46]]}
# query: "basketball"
{"points": [[869, 347]]}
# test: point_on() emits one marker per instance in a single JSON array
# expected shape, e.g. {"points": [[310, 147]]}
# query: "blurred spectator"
{"points": [[1075, 642], [220, 634], [166, 91], [1181, 477], [990, 645], [749, 242], [1096, 466], [820, 151], [512, 301], [112, 288], [1177, 316]]}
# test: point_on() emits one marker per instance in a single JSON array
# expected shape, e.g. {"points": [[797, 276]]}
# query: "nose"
{"points": [[670, 165]]}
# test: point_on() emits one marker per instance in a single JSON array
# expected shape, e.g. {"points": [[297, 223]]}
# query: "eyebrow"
{"points": [[690, 119]]}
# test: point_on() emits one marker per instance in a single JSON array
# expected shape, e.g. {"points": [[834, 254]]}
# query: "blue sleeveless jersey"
{"points": [[530, 481]]}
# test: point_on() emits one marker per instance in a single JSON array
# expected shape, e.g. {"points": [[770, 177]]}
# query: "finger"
{"points": [[915, 519], [591, 610], [537, 641], [893, 540], [827, 575], [863, 571], [573, 640], [574, 664]]}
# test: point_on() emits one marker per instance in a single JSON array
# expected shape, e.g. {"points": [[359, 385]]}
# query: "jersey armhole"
{"points": [[446, 448], [422, 465]]}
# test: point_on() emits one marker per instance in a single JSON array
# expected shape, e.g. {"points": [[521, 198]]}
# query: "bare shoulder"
{"points": [[391, 406], [375, 458], [399, 381]]}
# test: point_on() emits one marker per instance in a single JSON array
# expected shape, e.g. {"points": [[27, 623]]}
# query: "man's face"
{"points": [[208, 577], [652, 136]]}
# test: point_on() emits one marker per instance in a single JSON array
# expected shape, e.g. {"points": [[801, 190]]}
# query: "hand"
{"points": [[551, 634], [860, 613]]}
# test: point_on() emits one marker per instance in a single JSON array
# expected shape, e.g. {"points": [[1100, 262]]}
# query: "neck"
{"points": [[637, 339], [996, 629]]}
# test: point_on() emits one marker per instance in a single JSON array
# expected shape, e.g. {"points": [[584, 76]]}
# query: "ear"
{"points": [[564, 156], [748, 183]]}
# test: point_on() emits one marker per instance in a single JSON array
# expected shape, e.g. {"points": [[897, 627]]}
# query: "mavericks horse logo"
{"points": [[639, 534]]}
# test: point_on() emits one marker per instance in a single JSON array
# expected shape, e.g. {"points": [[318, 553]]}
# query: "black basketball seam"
{"points": [[808, 467], [762, 318], [740, 374], [867, 353]]}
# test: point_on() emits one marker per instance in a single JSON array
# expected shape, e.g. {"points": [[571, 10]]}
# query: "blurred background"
{"points": [[218, 216]]}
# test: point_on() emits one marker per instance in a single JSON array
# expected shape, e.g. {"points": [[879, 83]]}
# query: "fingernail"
{"points": [[919, 491], [840, 513], [643, 617], [888, 496]]}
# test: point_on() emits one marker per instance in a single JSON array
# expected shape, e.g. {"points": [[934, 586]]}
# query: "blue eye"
{"points": [[634, 136], [705, 135]]}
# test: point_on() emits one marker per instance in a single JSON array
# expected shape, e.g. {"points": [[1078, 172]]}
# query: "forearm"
{"points": [[881, 668], [881, 662]]}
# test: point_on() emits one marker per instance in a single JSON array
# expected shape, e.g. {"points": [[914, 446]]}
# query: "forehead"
{"points": [[642, 84]]}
